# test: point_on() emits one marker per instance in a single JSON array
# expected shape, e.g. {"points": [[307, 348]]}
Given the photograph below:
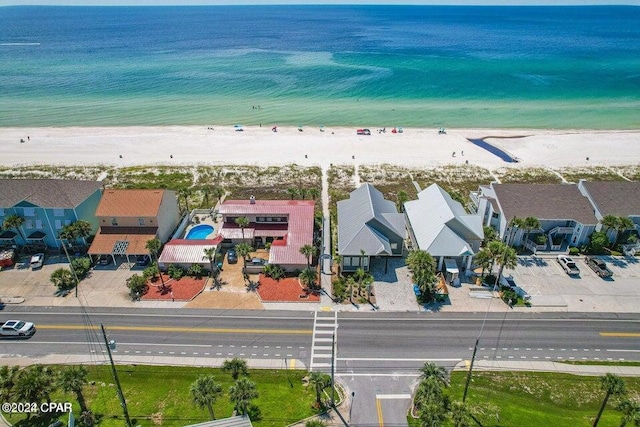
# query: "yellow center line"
{"points": [[181, 329], [292, 364], [379, 408], [620, 334]]}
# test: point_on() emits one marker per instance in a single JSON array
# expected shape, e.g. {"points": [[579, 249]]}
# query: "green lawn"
{"points": [[522, 399], [159, 395]]}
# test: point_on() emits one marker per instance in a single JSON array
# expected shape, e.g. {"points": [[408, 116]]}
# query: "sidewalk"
{"points": [[541, 366]]}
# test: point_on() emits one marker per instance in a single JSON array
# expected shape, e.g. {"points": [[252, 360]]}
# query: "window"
{"points": [[495, 215], [29, 211], [1, 211], [365, 262], [114, 222], [58, 224], [67, 222], [355, 261], [58, 212], [346, 261], [39, 224], [141, 222], [394, 246], [28, 224]]}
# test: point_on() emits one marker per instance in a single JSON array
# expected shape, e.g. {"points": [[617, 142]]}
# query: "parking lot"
{"points": [[549, 286]]}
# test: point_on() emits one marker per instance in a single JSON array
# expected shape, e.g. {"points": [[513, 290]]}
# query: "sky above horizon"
{"points": [[271, 2]]}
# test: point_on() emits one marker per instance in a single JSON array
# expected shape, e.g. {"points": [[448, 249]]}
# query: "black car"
{"points": [[232, 256], [104, 260], [142, 260]]}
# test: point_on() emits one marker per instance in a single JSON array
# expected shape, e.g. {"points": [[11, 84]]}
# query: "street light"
{"points": [[353, 398]]}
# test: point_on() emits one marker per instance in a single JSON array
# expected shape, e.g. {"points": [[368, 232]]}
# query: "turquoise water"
{"points": [[199, 232], [374, 66]]}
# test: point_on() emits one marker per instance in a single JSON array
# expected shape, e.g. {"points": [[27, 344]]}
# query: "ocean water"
{"points": [[431, 66]]}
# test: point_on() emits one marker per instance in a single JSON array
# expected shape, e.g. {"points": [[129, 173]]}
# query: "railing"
{"points": [[530, 245], [475, 198], [561, 230]]}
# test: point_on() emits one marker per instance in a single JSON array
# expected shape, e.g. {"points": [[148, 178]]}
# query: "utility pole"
{"points": [[473, 359], [73, 271], [123, 402]]}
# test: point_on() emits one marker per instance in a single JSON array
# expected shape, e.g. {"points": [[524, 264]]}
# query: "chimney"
{"points": [[252, 199]]}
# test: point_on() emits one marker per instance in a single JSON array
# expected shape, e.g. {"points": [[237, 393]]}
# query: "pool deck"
{"points": [[204, 220]]}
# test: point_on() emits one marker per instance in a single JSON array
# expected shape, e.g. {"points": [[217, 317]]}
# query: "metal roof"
{"points": [[185, 251], [440, 224], [365, 222], [46, 193], [299, 231]]}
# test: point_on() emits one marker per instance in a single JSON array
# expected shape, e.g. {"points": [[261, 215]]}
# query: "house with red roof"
{"points": [[286, 224]]}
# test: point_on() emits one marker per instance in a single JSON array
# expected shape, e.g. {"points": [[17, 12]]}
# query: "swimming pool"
{"points": [[199, 232]]}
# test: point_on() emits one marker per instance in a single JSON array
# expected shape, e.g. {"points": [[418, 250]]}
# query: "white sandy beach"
{"points": [[193, 145]]}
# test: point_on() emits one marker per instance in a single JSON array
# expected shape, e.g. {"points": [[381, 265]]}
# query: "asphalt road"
{"points": [[378, 354]]}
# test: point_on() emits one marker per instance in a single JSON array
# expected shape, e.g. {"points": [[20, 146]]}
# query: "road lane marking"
{"points": [[390, 359], [393, 396], [292, 364], [141, 344], [620, 334], [379, 409], [179, 329], [624, 351]]}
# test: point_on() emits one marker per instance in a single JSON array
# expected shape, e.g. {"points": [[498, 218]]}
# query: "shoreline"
{"points": [[217, 145]]}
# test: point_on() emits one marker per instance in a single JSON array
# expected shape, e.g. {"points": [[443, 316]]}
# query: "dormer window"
{"points": [[141, 222]]}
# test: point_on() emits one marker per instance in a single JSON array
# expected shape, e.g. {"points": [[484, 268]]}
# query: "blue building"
{"points": [[46, 205]]}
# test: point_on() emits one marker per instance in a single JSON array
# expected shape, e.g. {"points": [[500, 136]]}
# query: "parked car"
{"points": [[511, 283], [232, 256], [104, 260], [568, 265], [143, 260], [599, 266], [259, 261], [36, 261], [17, 328]]}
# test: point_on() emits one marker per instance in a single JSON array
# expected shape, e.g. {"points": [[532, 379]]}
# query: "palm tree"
{"points": [[293, 192], [319, 381], [62, 278], [15, 221], [303, 192], [617, 223], [494, 249], [612, 385], [34, 384], [87, 419], [8, 377], [211, 255], [308, 277], [401, 199], [507, 257], [431, 370], [204, 392], [308, 251], [528, 224], [460, 414], [82, 229], [364, 278], [241, 394], [489, 234], [71, 380], [624, 224], [235, 367], [153, 246], [630, 412], [244, 249], [243, 222], [218, 193], [483, 259], [314, 193], [185, 193], [423, 267]]}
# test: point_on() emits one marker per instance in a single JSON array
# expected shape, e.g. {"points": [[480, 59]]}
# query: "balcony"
{"points": [[561, 230]]}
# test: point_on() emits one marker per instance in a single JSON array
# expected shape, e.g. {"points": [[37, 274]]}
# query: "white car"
{"points": [[569, 265], [17, 328], [36, 261]]}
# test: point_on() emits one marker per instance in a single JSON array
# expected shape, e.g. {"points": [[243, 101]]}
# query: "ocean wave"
{"points": [[19, 44]]}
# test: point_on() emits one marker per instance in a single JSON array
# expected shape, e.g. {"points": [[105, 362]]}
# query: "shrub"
{"points": [[541, 239], [340, 288], [598, 241], [151, 272], [274, 271], [176, 272], [508, 295], [62, 278], [574, 251], [81, 266], [137, 285], [196, 271], [490, 280]]}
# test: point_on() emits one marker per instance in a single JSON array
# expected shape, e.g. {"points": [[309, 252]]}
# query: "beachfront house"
{"points": [[286, 224], [617, 198], [368, 226], [440, 225], [45, 206], [130, 218], [566, 216]]}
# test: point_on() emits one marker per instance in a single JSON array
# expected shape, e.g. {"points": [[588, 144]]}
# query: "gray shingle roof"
{"points": [[46, 193], [365, 220], [440, 224], [615, 198], [544, 201]]}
